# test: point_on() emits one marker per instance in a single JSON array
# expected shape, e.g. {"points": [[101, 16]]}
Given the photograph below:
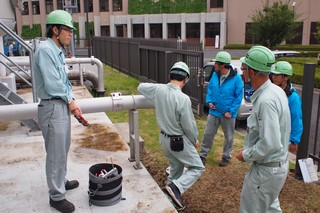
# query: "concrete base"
{"points": [[23, 180]]}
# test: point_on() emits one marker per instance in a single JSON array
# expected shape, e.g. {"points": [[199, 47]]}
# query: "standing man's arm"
{"points": [[267, 140], [238, 94]]}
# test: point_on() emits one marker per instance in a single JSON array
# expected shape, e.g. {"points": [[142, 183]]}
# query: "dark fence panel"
{"points": [[151, 59], [309, 145], [124, 56]]}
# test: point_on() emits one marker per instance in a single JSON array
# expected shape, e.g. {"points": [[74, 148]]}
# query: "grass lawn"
{"points": [[218, 189]]}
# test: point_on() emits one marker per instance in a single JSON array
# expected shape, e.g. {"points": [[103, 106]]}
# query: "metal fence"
{"points": [[310, 140], [150, 60]]}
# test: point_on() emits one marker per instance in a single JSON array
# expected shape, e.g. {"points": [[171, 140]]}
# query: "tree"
{"points": [[273, 24]]}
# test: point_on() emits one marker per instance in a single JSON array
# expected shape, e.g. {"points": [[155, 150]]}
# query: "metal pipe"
{"points": [[23, 61], [91, 105], [91, 76], [95, 61]]}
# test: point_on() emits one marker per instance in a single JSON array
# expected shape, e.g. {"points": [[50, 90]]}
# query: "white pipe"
{"points": [[25, 61], [91, 60], [91, 105]]}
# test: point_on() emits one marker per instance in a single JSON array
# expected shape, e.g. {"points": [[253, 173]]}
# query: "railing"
{"points": [[6, 29], [16, 72]]}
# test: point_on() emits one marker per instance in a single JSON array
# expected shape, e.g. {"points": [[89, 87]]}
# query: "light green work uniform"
{"points": [[175, 117], [266, 147]]}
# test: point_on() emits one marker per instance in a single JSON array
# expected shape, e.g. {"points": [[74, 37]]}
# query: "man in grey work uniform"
{"points": [[268, 131], [57, 103], [179, 133]]}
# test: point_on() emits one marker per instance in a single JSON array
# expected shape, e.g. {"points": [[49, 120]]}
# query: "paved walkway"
{"points": [[22, 171]]}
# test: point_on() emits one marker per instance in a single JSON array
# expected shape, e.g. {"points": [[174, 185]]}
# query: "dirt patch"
{"points": [[218, 189], [4, 126], [97, 136]]}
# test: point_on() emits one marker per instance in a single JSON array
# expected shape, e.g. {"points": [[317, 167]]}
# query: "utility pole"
{"points": [[69, 8], [87, 28]]}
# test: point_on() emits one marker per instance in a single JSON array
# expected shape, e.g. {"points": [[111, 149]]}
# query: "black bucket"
{"points": [[104, 191]]}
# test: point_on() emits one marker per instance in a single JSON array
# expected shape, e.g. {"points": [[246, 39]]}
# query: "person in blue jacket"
{"points": [[224, 96], [281, 77]]}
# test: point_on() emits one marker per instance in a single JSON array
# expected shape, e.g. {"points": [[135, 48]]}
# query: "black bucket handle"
{"points": [[91, 194]]}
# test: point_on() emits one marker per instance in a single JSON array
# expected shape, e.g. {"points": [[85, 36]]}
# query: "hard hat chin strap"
{"points": [[58, 38]]}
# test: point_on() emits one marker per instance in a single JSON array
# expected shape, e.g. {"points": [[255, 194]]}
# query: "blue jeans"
{"points": [[212, 126]]}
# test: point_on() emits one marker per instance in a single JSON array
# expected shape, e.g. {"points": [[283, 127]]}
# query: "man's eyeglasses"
{"points": [[69, 30], [244, 68]]}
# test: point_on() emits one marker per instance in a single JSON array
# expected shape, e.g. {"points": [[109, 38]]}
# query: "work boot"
{"points": [[71, 184], [203, 159], [63, 206], [174, 193], [224, 162]]}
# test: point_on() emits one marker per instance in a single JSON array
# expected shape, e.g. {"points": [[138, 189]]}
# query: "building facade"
{"points": [[225, 21], [238, 14]]}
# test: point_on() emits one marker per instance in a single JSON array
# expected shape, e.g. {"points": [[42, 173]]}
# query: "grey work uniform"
{"points": [[266, 147], [175, 117], [55, 91]]}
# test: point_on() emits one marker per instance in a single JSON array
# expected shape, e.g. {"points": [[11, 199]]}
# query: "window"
{"points": [[174, 30], [104, 5], [216, 3], [25, 10], [119, 30], [138, 30], [193, 32], [155, 30], [249, 37], [313, 30], [105, 30], [35, 8], [49, 6], [60, 5], [117, 5], [211, 30]]}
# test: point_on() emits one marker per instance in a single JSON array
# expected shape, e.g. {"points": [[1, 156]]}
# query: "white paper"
{"points": [[308, 170]]}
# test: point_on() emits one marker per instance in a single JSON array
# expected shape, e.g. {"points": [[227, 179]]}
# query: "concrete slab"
{"points": [[23, 181]]}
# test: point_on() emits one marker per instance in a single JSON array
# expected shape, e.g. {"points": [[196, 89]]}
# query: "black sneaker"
{"points": [[203, 159], [71, 184], [173, 192], [63, 206], [223, 162]]}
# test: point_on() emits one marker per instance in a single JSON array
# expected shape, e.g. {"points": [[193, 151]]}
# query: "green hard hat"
{"points": [[259, 58], [223, 57], [180, 68], [60, 17], [283, 67]]}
